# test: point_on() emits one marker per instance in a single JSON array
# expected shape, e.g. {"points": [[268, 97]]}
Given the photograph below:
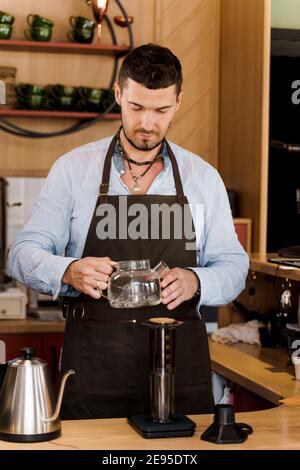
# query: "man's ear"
{"points": [[117, 93], [178, 99]]}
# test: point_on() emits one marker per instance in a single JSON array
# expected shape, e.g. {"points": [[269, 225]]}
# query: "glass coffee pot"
{"points": [[134, 284]]}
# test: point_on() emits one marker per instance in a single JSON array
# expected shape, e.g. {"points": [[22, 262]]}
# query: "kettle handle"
{"points": [[3, 369]]}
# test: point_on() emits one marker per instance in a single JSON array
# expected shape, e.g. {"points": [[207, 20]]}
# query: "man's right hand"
{"points": [[89, 275]]}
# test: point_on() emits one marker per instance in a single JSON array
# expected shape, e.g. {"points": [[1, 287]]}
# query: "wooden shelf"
{"points": [[62, 47], [54, 114]]}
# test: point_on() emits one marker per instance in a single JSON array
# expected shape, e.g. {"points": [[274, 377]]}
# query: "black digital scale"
{"points": [[178, 426]]}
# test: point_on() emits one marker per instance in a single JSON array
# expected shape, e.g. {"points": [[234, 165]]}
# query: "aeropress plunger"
{"points": [[162, 421]]}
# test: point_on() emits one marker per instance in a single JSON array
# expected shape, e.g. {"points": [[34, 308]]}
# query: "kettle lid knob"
{"points": [[27, 352]]}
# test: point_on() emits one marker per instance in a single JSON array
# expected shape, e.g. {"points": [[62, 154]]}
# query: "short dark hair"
{"points": [[153, 66]]}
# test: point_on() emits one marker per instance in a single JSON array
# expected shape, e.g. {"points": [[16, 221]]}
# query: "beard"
{"points": [[140, 144]]}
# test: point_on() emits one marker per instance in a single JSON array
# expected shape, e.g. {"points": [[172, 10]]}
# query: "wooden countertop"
{"points": [[259, 263], [29, 325], [276, 428], [261, 370]]}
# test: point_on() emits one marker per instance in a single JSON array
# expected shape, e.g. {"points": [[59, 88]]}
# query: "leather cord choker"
{"points": [[136, 178]]}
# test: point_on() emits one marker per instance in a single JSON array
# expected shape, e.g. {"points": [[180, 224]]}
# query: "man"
{"points": [[76, 235]]}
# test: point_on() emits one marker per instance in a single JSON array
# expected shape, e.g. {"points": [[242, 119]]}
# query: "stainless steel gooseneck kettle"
{"points": [[28, 409]]}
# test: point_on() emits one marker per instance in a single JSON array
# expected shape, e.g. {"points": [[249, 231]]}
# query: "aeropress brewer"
{"points": [[162, 421]]}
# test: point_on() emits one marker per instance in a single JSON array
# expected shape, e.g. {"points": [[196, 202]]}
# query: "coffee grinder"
{"points": [[163, 421]]}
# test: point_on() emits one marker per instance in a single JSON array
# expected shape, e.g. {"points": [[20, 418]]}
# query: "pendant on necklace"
{"points": [[136, 186]]}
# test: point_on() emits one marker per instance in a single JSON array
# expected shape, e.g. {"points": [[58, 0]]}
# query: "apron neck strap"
{"points": [[106, 171], [176, 174], [104, 186]]}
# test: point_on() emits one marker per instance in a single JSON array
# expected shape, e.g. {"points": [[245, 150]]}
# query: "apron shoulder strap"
{"points": [[178, 184], [106, 172]]}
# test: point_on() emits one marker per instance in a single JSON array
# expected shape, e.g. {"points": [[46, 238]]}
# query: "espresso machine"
{"points": [[163, 421]]}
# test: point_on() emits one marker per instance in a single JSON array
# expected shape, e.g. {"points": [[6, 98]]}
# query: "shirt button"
{"points": [[122, 172]]}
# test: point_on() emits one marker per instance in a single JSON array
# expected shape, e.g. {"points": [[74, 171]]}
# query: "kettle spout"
{"points": [[60, 396]]}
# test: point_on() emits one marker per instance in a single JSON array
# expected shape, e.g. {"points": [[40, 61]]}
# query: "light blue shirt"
{"points": [[55, 234]]}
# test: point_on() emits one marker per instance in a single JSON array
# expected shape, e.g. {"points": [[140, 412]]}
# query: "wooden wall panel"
{"points": [[20, 156], [191, 29], [244, 108]]}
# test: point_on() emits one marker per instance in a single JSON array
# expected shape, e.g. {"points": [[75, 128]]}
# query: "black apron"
{"points": [[108, 348]]}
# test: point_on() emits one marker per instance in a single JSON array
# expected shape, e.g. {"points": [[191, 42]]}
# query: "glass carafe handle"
{"points": [[115, 266], [161, 268], [101, 294]]}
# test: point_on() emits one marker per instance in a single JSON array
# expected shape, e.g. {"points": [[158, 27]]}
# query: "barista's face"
{"points": [[146, 114]]}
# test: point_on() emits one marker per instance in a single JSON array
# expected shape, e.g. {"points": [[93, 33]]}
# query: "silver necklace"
{"points": [[137, 178]]}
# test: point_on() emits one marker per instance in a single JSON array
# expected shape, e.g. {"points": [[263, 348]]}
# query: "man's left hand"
{"points": [[178, 285]]}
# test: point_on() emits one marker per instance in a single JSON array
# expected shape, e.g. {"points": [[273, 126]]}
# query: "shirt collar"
{"points": [[119, 162]]}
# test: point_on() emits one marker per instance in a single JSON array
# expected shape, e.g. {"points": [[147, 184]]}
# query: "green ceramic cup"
{"points": [[88, 105], [93, 104], [80, 105], [61, 103], [5, 31], [79, 22], [6, 18], [65, 102], [27, 89], [81, 35], [33, 102], [56, 91], [38, 21], [90, 93], [42, 33]]}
